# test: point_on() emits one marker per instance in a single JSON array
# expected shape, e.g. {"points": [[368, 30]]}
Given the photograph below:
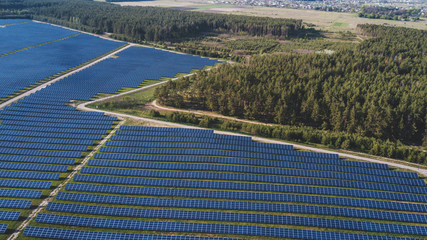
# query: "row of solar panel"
{"points": [[55, 120], [53, 130], [30, 100], [195, 146], [28, 34], [253, 169], [29, 175], [237, 217], [52, 111], [42, 146], [19, 193], [50, 135], [198, 227], [46, 140], [254, 162], [3, 227], [43, 106], [43, 232], [9, 215], [246, 178], [261, 196], [180, 134], [24, 68], [13, 21], [200, 140], [110, 75], [166, 129], [40, 153], [55, 125], [24, 184], [13, 203], [244, 206], [31, 159], [201, 152], [58, 115], [33, 167]]}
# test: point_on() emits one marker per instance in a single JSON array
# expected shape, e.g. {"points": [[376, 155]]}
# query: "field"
{"points": [[331, 21], [85, 175]]}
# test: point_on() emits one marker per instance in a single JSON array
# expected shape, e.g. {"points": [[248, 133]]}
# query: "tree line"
{"points": [[377, 89], [390, 13], [144, 23]]}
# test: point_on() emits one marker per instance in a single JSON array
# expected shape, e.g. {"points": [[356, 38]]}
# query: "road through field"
{"points": [[420, 171]]}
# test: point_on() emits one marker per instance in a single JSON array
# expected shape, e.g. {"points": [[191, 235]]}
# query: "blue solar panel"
{"points": [[234, 177], [24, 184], [9, 215], [43, 232], [13, 21], [200, 140], [237, 195], [256, 162], [29, 34], [21, 69], [253, 169], [26, 152], [3, 228], [11, 203], [29, 175], [50, 135], [222, 153], [267, 207], [236, 217], [195, 146], [43, 146], [33, 167], [46, 140], [55, 125], [18, 193], [31, 159], [53, 130], [201, 228]]}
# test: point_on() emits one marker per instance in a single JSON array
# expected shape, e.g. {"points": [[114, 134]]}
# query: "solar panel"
{"points": [[197, 227], [18, 193], [244, 178], [256, 162], [236, 217], [239, 195], [253, 169], [9, 215], [266, 207], [43, 232], [12, 203]]}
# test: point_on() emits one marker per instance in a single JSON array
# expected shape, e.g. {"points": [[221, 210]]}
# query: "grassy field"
{"points": [[331, 21]]}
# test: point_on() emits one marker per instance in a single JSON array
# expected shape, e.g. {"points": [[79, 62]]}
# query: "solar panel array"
{"points": [[172, 180], [28, 34], [40, 137], [24, 68], [270, 194], [199, 228], [59, 233]]}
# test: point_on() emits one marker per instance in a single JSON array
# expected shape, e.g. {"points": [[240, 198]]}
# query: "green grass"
{"points": [[340, 24]]}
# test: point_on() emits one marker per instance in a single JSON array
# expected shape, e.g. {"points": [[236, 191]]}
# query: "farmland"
{"points": [[85, 175], [330, 21]]}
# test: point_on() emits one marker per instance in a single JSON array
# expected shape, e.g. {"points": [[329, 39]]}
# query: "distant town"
{"points": [[354, 6]]}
